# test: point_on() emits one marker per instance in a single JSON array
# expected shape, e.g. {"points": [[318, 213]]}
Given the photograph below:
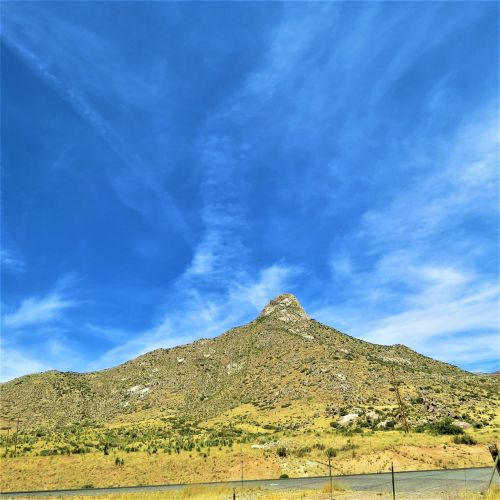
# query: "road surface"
{"points": [[434, 481]]}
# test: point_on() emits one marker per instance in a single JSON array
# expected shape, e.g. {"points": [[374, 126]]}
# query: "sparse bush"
{"points": [[282, 452], [301, 452], [464, 439], [331, 452], [48, 453], [445, 427], [335, 485], [349, 446]]}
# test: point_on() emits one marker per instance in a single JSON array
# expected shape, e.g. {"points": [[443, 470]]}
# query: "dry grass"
{"points": [[368, 453], [335, 486]]}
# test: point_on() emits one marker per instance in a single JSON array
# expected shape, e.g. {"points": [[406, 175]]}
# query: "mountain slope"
{"points": [[281, 358]]}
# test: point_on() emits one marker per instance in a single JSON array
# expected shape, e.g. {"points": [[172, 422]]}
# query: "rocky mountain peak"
{"points": [[285, 308]]}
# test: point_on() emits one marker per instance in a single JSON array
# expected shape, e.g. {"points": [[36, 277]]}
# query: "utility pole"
{"points": [[241, 457], [400, 401], [7, 441], [15, 439], [393, 487], [329, 465]]}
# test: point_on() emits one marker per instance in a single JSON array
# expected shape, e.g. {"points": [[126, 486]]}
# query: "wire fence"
{"points": [[452, 483]]}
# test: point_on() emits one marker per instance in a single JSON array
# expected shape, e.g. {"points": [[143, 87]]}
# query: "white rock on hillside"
{"points": [[347, 419]]}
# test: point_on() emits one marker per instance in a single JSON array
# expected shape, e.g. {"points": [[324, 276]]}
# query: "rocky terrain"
{"points": [[280, 360]]}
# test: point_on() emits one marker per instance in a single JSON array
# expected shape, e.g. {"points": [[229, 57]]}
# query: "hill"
{"points": [[272, 397], [281, 359]]}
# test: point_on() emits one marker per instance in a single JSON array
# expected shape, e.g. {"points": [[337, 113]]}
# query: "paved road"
{"points": [[434, 481]]}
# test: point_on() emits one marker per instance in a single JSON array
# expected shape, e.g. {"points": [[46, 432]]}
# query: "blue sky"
{"points": [[170, 167]]}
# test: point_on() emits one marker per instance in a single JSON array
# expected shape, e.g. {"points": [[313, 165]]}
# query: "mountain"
{"points": [[281, 360]]}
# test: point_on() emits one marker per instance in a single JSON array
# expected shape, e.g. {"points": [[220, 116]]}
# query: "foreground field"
{"points": [[294, 454]]}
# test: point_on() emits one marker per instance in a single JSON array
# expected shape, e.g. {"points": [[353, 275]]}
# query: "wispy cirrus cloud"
{"points": [[39, 333], [444, 312], [37, 310], [11, 261], [426, 286], [322, 150], [465, 184], [100, 70], [16, 362], [193, 314]]}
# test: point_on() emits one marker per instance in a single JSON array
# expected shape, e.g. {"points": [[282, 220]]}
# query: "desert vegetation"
{"points": [[277, 396]]}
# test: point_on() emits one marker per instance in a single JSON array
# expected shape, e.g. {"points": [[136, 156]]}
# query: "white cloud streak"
{"points": [[198, 315], [37, 310], [15, 363], [82, 84], [11, 261], [426, 288]]}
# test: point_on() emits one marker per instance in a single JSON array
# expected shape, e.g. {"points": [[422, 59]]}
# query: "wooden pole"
{"points": [[493, 472], [7, 441], [15, 439], [331, 481], [393, 487], [494, 455], [400, 402], [329, 465], [241, 456]]}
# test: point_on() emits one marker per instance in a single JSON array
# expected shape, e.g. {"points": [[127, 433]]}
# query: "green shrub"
{"points": [[48, 453], [445, 427], [284, 476], [301, 452], [282, 452], [464, 439]]}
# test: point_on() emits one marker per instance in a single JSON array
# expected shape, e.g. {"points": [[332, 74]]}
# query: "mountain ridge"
{"points": [[282, 357]]}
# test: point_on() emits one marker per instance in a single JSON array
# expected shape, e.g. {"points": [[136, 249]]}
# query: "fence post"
{"points": [[331, 482], [495, 467], [392, 476], [494, 455]]}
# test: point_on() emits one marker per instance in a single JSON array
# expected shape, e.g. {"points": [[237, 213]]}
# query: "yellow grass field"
{"points": [[360, 453]]}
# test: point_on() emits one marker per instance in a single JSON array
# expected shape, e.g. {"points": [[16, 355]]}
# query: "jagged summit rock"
{"points": [[286, 308]]}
